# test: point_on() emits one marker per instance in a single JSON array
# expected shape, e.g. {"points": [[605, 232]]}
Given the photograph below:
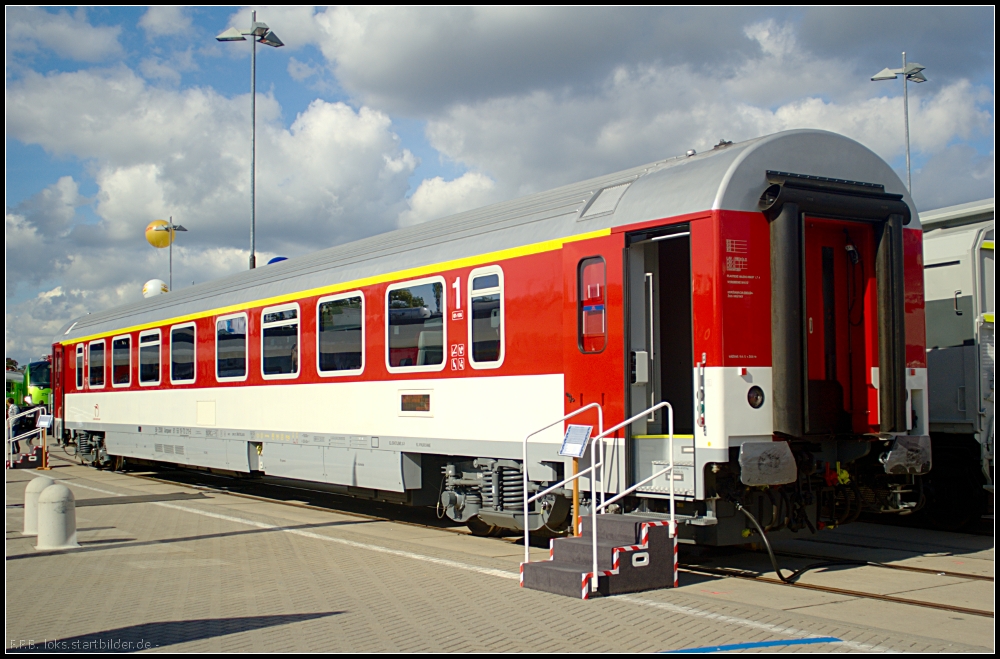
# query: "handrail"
{"points": [[9, 439], [593, 487], [594, 465], [669, 468]]}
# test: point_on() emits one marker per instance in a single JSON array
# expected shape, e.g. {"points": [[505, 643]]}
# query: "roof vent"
{"points": [[606, 200], [722, 144], [690, 152]]}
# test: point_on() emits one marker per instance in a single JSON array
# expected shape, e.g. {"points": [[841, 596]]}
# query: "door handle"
{"points": [[958, 312], [649, 278]]}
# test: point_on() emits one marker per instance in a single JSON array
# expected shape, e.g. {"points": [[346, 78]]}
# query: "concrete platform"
{"points": [[222, 573]]}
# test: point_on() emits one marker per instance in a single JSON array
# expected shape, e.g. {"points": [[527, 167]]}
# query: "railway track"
{"points": [[418, 517]]}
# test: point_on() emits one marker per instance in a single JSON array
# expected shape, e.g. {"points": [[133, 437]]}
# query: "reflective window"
{"points": [[341, 334], [182, 366], [121, 361], [97, 364], [416, 325], [231, 347], [79, 366], [280, 341], [486, 316], [592, 314], [149, 357]]}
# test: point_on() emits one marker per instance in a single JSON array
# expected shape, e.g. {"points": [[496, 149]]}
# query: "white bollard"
{"points": [[31, 493], [56, 518]]}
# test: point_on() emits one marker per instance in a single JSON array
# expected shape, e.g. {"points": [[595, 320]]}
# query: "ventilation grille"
{"points": [[606, 200]]}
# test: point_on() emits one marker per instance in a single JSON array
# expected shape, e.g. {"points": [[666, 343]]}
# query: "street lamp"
{"points": [[259, 32], [173, 229], [909, 72]]}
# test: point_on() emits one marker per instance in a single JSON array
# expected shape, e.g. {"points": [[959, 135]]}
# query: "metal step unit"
{"points": [[635, 553]]}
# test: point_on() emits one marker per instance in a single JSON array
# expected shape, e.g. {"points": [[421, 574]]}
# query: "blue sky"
{"points": [[374, 118]]}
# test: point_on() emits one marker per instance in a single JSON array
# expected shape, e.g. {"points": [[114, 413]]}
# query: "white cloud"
{"points": [[164, 21], [31, 28], [336, 174], [436, 198]]}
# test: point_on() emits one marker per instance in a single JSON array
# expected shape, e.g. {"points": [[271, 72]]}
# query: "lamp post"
{"points": [[259, 32], [173, 229], [909, 72]]}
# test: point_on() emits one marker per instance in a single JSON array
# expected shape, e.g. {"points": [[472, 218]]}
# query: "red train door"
{"points": [[58, 387]]}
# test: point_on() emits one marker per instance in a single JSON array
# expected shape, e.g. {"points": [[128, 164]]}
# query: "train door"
{"points": [[660, 349], [58, 387], [840, 328]]}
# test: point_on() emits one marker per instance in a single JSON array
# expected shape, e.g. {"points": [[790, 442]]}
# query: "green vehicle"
{"points": [[15, 386], [38, 382]]}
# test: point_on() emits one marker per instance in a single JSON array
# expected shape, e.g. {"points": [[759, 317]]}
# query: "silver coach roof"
{"points": [[952, 216], [729, 177]]}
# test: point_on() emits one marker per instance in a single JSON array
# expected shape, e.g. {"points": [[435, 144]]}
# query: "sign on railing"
{"points": [[575, 441]]}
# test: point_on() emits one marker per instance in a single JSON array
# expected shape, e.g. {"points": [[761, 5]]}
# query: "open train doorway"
{"points": [[840, 311], [660, 350]]}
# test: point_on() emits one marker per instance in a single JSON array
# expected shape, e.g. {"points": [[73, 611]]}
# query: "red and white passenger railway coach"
{"points": [[771, 291]]}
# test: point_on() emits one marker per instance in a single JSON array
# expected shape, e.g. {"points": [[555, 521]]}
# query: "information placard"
{"points": [[575, 441], [44, 421]]}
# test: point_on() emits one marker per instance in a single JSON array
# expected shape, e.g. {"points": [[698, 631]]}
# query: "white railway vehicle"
{"points": [[771, 291], [959, 289]]}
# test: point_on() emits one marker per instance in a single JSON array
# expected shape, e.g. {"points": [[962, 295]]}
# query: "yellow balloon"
{"points": [[160, 238]]}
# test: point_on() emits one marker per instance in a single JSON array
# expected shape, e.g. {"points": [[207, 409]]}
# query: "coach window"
{"points": [[231, 347], [96, 364], [592, 312], [149, 358], [121, 361], [341, 337], [486, 327], [182, 355], [79, 366], [415, 326], [280, 342]]}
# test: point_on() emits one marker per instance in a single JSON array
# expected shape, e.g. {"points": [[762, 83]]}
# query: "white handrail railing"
{"points": [[594, 465], [9, 438], [593, 487]]}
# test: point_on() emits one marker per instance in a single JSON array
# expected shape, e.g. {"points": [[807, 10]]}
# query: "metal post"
{"points": [[253, 138], [906, 124], [576, 498], [170, 251]]}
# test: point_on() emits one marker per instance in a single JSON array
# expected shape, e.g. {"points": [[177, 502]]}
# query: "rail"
{"points": [[9, 437], [593, 486], [599, 464]]}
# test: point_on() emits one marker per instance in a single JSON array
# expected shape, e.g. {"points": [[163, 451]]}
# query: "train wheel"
{"points": [[481, 529]]}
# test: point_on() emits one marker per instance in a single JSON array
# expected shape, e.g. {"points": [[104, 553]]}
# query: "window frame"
{"points": [[159, 352], [246, 347], [470, 352], [580, 306], [431, 368], [298, 339], [90, 362], [364, 342], [194, 356], [80, 365], [128, 383]]}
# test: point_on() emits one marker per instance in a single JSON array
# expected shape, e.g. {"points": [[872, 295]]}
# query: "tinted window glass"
{"points": [[41, 374], [592, 313], [231, 347], [486, 318], [281, 342], [416, 327], [79, 367], [149, 358], [121, 360], [182, 353], [97, 364], [340, 328]]}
